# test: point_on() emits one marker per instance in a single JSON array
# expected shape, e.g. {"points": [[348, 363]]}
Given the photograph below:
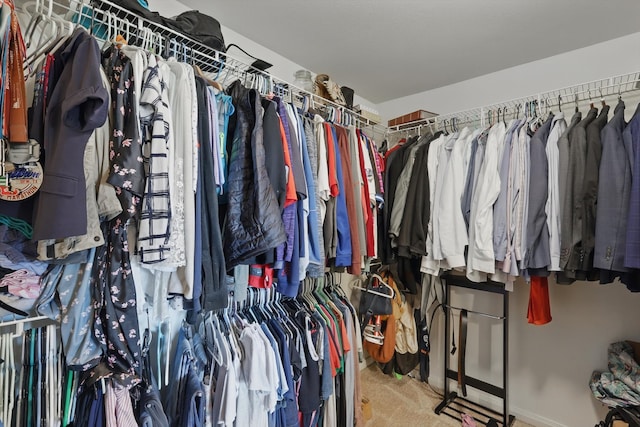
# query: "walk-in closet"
{"points": [[319, 214]]}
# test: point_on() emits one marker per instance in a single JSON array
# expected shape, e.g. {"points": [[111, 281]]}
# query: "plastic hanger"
{"points": [[381, 280], [207, 80], [36, 16], [45, 38]]}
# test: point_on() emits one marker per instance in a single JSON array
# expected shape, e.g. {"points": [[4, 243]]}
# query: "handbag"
{"points": [[374, 300]]}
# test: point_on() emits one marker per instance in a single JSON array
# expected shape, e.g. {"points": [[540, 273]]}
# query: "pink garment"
{"points": [[22, 283], [468, 421]]}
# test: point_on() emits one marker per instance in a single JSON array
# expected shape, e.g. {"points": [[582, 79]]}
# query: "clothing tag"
{"points": [[22, 182]]}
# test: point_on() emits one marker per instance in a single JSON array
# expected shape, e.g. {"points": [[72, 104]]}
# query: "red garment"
{"points": [[539, 312], [261, 276], [345, 157], [379, 164], [331, 160], [394, 148], [15, 101], [334, 351], [291, 195]]}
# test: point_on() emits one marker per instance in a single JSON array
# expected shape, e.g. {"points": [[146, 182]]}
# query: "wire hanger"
{"points": [[619, 93], [559, 103]]}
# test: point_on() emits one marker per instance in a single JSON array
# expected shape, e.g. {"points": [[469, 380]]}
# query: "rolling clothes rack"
{"points": [[452, 404]]}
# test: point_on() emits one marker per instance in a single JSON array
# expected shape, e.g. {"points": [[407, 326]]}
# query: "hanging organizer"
{"points": [[454, 405]]}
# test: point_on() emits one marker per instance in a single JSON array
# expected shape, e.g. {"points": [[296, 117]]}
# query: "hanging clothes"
{"points": [[114, 297], [248, 186], [78, 104]]}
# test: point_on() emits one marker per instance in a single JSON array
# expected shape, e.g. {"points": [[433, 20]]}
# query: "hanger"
{"points": [[207, 80], [619, 93], [381, 280], [45, 39], [602, 100], [37, 15], [590, 100], [575, 100], [560, 103]]}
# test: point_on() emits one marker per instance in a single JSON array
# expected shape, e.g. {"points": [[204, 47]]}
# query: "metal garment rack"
{"points": [[594, 91], [452, 404], [105, 20]]}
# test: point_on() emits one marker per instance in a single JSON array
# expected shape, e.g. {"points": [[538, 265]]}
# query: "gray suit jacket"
{"points": [[538, 253], [565, 193], [590, 187], [614, 191], [577, 161]]}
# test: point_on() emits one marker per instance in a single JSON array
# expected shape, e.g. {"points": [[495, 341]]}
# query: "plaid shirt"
{"points": [[155, 217]]}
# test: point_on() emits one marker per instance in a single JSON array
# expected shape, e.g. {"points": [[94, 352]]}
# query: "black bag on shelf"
{"points": [[192, 24], [200, 27]]}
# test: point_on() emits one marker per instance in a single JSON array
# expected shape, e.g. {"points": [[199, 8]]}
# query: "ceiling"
{"points": [[389, 49]]}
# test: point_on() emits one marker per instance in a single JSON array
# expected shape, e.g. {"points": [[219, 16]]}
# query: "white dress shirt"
{"points": [[481, 259], [429, 264], [450, 221], [552, 208]]}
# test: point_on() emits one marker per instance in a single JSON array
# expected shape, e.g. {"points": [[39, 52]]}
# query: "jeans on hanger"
{"points": [[193, 409], [326, 388], [96, 413], [179, 372]]}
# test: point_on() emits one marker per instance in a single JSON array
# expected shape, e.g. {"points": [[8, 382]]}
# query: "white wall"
{"points": [[550, 365], [603, 60]]}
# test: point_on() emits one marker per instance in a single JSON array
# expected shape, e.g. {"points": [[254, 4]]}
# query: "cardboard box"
{"points": [[411, 117], [368, 113]]}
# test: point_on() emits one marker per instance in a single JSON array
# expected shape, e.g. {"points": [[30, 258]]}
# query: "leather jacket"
{"points": [[253, 223]]}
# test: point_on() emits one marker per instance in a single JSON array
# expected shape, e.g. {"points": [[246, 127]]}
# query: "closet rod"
{"points": [[99, 16], [477, 313]]}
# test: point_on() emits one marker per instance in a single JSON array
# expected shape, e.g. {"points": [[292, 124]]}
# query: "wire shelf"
{"points": [[105, 20], [592, 91]]}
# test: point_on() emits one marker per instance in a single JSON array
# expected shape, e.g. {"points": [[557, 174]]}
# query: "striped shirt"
{"points": [[155, 217]]}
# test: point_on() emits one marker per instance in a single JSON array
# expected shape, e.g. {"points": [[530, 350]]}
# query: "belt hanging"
{"points": [[462, 344]]}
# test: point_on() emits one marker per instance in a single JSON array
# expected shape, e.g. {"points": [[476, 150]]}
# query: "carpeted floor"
{"points": [[404, 403]]}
